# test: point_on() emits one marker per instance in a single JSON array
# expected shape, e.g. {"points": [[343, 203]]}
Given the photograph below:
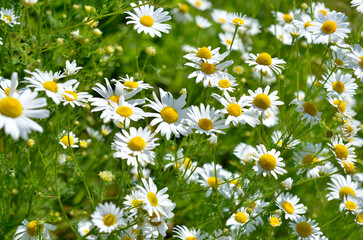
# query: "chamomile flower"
{"points": [[154, 201], [268, 162], [284, 18], [265, 63], [238, 19], [342, 187], [201, 5], [136, 146], [154, 227], [271, 120], [341, 106], [219, 16], [16, 109], [226, 40], [279, 140], [211, 177], [68, 140], [289, 204], [351, 204], [202, 22], [224, 81], [342, 151], [358, 4], [274, 220], [241, 220], [349, 130], [264, 102], [170, 116], [128, 234], [319, 7], [309, 154], [71, 96], [339, 57], [281, 34], [29, 3], [237, 110], [129, 83], [206, 120], [359, 218], [182, 232], [356, 61], [71, 68], [309, 111], [329, 28], [134, 202], [303, 21], [33, 230], [147, 20], [84, 228], [107, 217], [287, 184], [181, 14], [8, 16], [305, 229], [244, 152], [340, 85], [206, 54]]}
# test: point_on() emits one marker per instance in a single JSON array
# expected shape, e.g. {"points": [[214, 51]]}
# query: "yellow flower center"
{"points": [[310, 108], [323, 12], [169, 114], [361, 61], [136, 144], [131, 84], [238, 21], [198, 3], [205, 124], [360, 218], [267, 162], [310, 158], [10, 107], [32, 228], [7, 18], [187, 162], [124, 111], [86, 231], [304, 229], [153, 199], [73, 94], [7, 91], [184, 8], [287, 207], [109, 220], [262, 101], [50, 86], [345, 191], [329, 27], [208, 68], [241, 217], [350, 205], [147, 21], [126, 238], [222, 20], [264, 59], [274, 221], [213, 181], [136, 202], [349, 167], [224, 83], [65, 141], [338, 86], [287, 18], [228, 42], [204, 52], [341, 151], [308, 24], [234, 109], [115, 99], [338, 62], [340, 105]]}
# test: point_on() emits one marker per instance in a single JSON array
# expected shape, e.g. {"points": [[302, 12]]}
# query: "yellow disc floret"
{"points": [[267, 162], [238, 21], [10, 107], [136, 144], [213, 181], [50, 86], [350, 205], [68, 98], [341, 151], [345, 191], [115, 99], [275, 222], [329, 27], [66, 142], [204, 52], [32, 228], [205, 124], [310, 108], [304, 229], [287, 207], [109, 220], [264, 59], [131, 84], [340, 105], [224, 83], [287, 18], [208, 68], [338, 86], [241, 217], [262, 101], [234, 109], [169, 114], [307, 24], [124, 111], [147, 21], [309, 158], [153, 199]]}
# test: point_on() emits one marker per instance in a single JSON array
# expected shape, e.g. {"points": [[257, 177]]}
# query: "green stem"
{"points": [[234, 36]]}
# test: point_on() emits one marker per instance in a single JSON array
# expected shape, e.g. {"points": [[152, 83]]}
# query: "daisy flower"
{"points": [[287, 184], [359, 218], [271, 120], [244, 152], [341, 107], [136, 146], [154, 201], [309, 111], [153, 227], [319, 7], [201, 5], [107, 217], [33, 230], [339, 57], [29, 3], [128, 234], [329, 28], [349, 130], [268, 162], [342, 187], [289, 204], [241, 219], [202, 22], [8, 16], [279, 140], [206, 120], [170, 116], [339, 85], [72, 97], [238, 19], [264, 63], [68, 140], [16, 109], [356, 61], [129, 83], [284, 18], [303, 21], [274, 220], [309, 154], [134, 202], [342, 151], [71, 68], [351, 204], [182, 232], [84, 228], [147, 20], [281, 34], [264, 102], [211, 177], [181, 14], [358, 4], [224, 81], [237, 111], [226, 40], [219, 16], [305, 229], [206, 54]]}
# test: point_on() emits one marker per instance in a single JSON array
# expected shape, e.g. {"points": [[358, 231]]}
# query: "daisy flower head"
{"points": [[147, 20], [342, 151], [287, 184], [349, 130], [202, 22], [84, 228], [220, 16], [206, 54], [341, 187], [206, 120], [33, 230], [71, 96], [170, 116], [329, 28], [182, 232], [107, 217], [71, 68], [303, 21], [16, 109], [284, 18], [128, 234], [281, 34], [351, 204], [227, 38], [244, 152], [341, 107], [154, 227], [181, 13], [8, 16], [242, 220], [271, 120], [68, 139], [265, 63], [224, 82], [359, 218], [268, 162], [133, 201], [154, 201], [264, 102], [289, 204], [356, 61], [211, 176], [305, 229], [201, 5], [135, 145], [340, 85], [309, 111], [358, 4], [274, 220], [238, 19], [340, 57], [319, 7], [237, 111], [129, 83]]}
